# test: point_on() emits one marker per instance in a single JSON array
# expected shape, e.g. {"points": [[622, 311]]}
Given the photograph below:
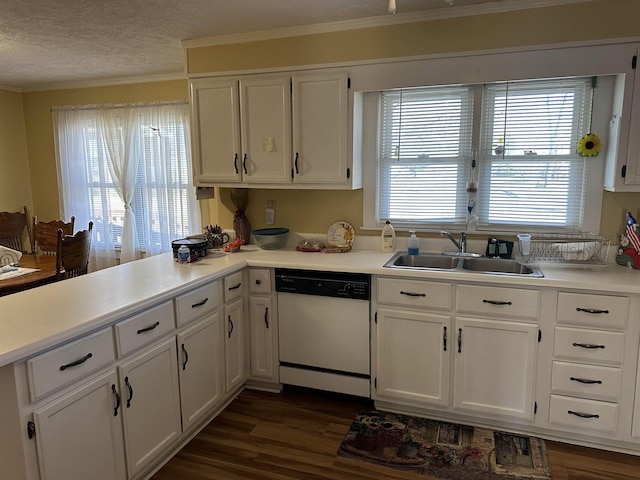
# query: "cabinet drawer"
{"points": [[595, 346], [416, 293], [581, 308], [512, 302], [232, 286], [589, 381], [144, 328], [587, 414], [196, 303], [259, 280], [60, 367]]}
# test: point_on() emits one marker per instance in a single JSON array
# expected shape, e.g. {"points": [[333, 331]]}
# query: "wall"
{"points": [[15, 182], [314, 211]]}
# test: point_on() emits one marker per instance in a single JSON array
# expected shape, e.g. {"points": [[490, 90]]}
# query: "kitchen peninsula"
{"points": [[188, 309]]}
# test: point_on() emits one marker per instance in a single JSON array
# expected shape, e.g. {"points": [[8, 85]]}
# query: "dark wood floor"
{"points": [[295, 435]]}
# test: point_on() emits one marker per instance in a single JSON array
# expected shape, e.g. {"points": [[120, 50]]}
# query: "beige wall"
{"points": [[301, 210], [15, 183]]}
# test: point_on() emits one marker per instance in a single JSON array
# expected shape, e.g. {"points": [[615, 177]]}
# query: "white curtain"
{"points": [[128, 169], [118, 133]]}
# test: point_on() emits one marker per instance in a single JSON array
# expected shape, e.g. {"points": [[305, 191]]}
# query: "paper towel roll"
{"points": [[9, 256]]}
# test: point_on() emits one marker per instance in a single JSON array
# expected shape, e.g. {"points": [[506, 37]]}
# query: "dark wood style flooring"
{"points": [[295, 435]]}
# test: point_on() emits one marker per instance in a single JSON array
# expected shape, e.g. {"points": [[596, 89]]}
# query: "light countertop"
{"points": [[37, 319]]}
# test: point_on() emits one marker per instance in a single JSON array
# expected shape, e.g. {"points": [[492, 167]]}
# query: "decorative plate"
{"points": [[341, 235]]}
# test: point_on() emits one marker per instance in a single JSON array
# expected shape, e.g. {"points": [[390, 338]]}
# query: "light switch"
{"points": [[267, 144]]}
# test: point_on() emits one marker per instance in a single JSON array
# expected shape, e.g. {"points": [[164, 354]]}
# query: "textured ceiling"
{"points": [[48, 43]]}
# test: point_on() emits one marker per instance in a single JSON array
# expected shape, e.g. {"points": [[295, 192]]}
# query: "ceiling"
{"points": [[50, 43]]}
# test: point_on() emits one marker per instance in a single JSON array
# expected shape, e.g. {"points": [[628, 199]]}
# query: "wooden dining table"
{"points": [[45, 273]]}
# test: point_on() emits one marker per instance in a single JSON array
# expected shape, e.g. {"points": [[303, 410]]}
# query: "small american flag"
{"points": [[632, 235]]}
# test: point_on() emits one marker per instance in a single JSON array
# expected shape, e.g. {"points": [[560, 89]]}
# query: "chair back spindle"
{"points": [[73, 252], [45, 235], [12, 226]]}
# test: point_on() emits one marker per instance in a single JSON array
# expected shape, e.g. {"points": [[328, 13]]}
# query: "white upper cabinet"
{"points": [[320, 126], [265, 129], [273, 131], [215, 118]]}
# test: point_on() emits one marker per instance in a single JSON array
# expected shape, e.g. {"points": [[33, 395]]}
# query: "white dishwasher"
{"points": [[324, 330]]}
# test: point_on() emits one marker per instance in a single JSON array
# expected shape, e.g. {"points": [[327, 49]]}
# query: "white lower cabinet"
{"points": [[200, 358], [263, 358], [79, 436], [150, 404], [263, 329], [495, 367], [412, 356], [234, 346], [457, 349]]}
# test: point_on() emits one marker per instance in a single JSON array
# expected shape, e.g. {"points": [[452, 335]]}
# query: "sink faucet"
{"points": [[461, 245]]}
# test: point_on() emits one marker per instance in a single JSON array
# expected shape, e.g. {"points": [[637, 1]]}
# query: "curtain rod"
{"points": [[111, 106]]}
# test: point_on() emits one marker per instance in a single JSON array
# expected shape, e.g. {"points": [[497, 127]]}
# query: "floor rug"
{"points": [[444, 450]]}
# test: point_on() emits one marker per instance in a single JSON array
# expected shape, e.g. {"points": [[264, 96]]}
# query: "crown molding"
{"points": [[378, 21], [105, 82], [11, 89]]}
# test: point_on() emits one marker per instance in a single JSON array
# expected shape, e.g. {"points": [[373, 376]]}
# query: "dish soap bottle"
{"points": [[414, 243], [388, 237]]}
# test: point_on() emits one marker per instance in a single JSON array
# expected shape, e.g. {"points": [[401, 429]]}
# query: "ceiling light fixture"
{"points": [[392, 6], [448, 2]]}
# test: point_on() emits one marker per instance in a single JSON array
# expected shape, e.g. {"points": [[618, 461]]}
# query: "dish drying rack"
{"points": [[586, 249]]}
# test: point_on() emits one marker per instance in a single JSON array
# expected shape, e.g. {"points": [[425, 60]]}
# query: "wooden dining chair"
{"points": [[12, 226], [72, 253], [44, 235]]}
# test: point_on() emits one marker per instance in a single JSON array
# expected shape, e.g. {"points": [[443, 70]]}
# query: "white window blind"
{"points": [[425, 144], [530, 173]]}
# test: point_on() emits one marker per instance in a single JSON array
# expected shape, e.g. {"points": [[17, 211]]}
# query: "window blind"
{"points": [[424, 155], [530, 173]]}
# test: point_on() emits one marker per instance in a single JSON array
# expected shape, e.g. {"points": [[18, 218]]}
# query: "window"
{"points": [[139, 153], [517, 140]]}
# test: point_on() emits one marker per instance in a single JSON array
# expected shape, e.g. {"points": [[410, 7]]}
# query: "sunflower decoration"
{"points": [[589, 145]]}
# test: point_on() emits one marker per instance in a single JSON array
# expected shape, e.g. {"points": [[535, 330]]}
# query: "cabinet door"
{"points": [[494, 367], [320, 142], [234, 346], [80, 435], [200, 354], [215, 123], [265, 123], [263, 337], [413, 356], [151, 404]]}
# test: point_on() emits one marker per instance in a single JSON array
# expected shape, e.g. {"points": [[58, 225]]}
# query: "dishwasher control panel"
{"points": [[355, 286]]}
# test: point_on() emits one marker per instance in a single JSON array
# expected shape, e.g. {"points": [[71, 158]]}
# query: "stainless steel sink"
{"points": [[484, 265], [499, 265], [423, 261]]}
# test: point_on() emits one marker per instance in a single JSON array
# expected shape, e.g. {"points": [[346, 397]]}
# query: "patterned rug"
{"points": [[444, 450]]}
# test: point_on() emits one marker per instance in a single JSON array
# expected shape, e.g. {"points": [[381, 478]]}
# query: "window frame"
{"points": [[554, 61]]}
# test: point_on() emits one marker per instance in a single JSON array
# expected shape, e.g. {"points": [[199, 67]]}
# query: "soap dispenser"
{"points": [[388, 237], [414, 243]]}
